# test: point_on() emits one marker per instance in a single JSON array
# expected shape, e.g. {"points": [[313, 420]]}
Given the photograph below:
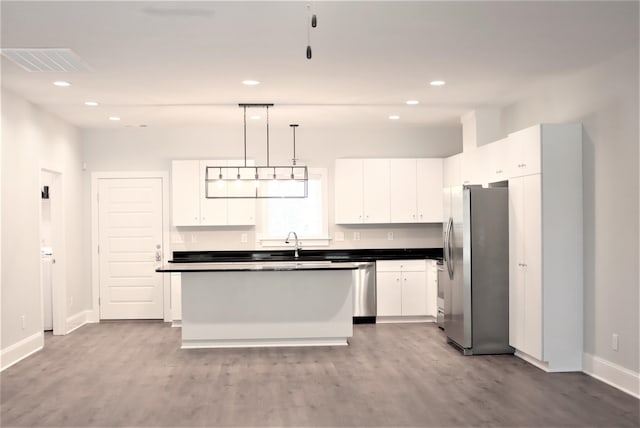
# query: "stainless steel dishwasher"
{"points": [[364, 293]]}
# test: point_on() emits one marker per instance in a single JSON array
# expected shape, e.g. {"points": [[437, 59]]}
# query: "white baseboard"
{"points": [[613, 374], [21, 350], [404, 319], [78, 320]]}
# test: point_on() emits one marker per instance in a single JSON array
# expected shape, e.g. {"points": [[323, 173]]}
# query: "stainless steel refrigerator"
{"points": [[476, 259]]}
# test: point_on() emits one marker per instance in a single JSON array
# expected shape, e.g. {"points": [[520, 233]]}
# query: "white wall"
{"points": [[605, 100], [154, 148], [32, 140]]}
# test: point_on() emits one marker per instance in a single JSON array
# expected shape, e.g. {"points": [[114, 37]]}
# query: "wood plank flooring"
{"points": [[130, 373]]}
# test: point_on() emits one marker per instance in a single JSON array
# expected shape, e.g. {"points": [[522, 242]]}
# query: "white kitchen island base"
{"points": [[258, 308]]}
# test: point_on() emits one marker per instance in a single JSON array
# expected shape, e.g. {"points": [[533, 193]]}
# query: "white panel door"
{"points": [[130, 239], [402, 190], [429, 190]]}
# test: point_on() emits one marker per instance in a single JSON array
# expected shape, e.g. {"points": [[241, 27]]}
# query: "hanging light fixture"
{"points": [[259, 181]]}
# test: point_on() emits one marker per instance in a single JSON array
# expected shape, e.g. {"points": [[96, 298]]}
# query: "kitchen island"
{"points": [[261, 304]]}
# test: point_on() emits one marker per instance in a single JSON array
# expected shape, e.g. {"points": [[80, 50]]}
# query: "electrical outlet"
{"points": [[243, 238], [614, 341], [389, 236], [356, 236], [23, 320]]}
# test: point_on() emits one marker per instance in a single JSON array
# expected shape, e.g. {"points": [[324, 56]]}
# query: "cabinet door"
{"points": [[185, 192], [516, 259], [432, 288], [403, 190], [452, 171], [429, 190], [525, 152], [498, 160], [414, 293], [376, 206], [241, 211], [348, 191], [389, 293], [213, 212], [532, 266]]}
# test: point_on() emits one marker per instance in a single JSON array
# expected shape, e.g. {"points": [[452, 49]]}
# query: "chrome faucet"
{"points": [[286, 241]]}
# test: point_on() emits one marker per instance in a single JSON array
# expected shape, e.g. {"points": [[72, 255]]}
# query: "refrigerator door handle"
{"points": [[450, 248]]}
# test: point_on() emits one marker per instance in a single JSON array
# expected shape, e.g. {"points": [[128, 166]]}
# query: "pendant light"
{"points": [[259, 181]]}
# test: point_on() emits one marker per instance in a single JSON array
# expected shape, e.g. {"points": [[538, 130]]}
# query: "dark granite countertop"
{"points": [[256, 266], [356, 255]]}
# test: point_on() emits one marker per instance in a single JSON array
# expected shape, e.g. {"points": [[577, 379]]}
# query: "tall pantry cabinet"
{"points": [[545, 245]]}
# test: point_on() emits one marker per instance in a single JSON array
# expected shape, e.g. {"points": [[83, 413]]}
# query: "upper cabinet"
{"points": [[524, 151], [452, 171], [388, 191], [361, 191], [498, 165], [416, 187], [190, 205]]}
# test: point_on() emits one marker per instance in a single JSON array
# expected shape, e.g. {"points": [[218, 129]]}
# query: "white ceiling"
{"points": [[177, 63]]}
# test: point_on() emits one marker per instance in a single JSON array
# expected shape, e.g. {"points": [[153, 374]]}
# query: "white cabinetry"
{"points": [[452, 171], [361, 191], [525, 151], [432, 288], [191, 207], [498, 160], [545, 247], [415, 188], [402, 290], [388, 191], [185, 192]]}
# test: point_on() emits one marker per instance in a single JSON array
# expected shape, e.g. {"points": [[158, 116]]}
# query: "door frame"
{"points": [[58, 273], [95, 235]]}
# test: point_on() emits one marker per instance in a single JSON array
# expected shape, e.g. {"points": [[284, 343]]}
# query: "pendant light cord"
{"points": [[267, 135], [245, 135]]}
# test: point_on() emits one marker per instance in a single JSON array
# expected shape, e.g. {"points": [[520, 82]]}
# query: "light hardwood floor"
{"points": [[135, 374]]}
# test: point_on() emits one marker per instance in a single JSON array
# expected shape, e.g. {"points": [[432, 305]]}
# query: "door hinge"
{"points": [[98, 249], [99, 301]]}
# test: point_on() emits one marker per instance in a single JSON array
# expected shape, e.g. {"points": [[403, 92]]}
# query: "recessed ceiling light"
{"points": [[250, 82], [255, 117], [413, 102], [91, 103], [394, 117], [437, 83], [62, 83], [114, 118]]}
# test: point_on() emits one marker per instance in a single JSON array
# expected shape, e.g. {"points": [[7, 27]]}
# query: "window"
{"points": [[307, 217]]}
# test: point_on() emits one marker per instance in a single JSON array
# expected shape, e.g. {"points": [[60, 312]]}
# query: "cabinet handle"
{"points": [[499, 171]]}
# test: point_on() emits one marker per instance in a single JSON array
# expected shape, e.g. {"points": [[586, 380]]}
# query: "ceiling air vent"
{"points": [[46, 59]]}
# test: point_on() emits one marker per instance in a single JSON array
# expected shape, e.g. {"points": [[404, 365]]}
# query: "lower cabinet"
{"points": [[403, 289]]}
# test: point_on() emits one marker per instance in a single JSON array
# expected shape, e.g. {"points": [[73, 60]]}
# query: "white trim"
{"points": [[262, 343], [95, 237], [76, 321], [176, 323], [404, 319], [21, 350], [612, 374], [532, 360]]}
